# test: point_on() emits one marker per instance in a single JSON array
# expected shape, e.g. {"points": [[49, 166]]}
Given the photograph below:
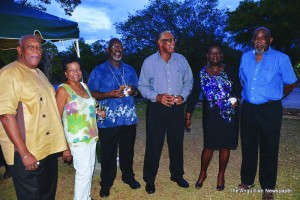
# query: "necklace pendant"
{"points": [[122, 87]]}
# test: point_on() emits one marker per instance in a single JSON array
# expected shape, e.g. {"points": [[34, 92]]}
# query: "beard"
{"points": [[259, 49]]}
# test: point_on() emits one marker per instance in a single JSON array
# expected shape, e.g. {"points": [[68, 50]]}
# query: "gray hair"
{"points": [[266, 30], [25, 37], [162, 33]]}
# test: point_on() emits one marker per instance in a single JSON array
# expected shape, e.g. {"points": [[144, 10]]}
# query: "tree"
{"points": [[67, 5], [90, 54], [280, 16], [195, 23], [49, 59]]}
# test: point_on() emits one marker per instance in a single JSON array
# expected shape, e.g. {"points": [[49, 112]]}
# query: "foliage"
{"points": [[67, 5], [91, 55], [281, 17], [8, 56], [195, 23], [287, 181], [297, 69]]}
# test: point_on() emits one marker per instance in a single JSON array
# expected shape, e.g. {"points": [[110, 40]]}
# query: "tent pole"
{"points": [[78, 52], [77, 48]]}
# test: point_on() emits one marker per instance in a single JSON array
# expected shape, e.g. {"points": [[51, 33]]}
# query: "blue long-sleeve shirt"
{"points": [[264, 81], [158, 76]]}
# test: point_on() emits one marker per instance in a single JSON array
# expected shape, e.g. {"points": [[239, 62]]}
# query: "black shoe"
{"points": [[133, 184], [150, 188], [198, 184], [181, 182], [267, 196], [243, 186], [104, 192], [220, 187]]}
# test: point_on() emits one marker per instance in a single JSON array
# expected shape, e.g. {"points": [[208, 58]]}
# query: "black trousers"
{"points": [[35, 185], [2, 160], [162, 120], [122, 137], [260, 129]]}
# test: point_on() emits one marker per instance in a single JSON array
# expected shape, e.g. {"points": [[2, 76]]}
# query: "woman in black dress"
{"points": [[220, 89]]}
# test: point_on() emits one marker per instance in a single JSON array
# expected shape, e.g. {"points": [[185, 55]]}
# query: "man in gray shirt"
{"points": [[166, 80]]}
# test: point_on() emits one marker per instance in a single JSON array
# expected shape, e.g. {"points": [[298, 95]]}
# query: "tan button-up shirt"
{"points": [[27, 94]]}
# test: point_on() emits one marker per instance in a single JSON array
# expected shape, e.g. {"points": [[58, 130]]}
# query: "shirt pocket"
{"points": [[266, 75]]}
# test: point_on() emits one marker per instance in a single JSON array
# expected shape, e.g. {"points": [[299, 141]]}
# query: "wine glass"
{"points": [[100, 108]]}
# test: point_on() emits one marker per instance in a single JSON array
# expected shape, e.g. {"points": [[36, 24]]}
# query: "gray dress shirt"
{"points": [[158, 77]]}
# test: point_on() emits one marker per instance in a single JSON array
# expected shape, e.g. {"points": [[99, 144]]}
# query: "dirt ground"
{"points": [[288, 181]]}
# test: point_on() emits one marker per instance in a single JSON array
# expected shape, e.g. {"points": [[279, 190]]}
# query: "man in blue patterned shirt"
{"points": [[266, 76], [166, 80], [114, 84]]}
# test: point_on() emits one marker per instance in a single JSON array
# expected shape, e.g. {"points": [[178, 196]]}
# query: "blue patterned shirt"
{"points": [[264, 81], [158, 76], [120, 111]]}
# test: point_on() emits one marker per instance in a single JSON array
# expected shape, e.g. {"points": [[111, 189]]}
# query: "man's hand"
{"points": [[177, 100], [165, 99], [116, 94], [67, 156], [30, 162]]}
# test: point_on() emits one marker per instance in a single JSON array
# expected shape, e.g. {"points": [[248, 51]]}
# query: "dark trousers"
{"points": [[2, 160], [162, 120], [260, 129], [122, 137], [35, 185]]}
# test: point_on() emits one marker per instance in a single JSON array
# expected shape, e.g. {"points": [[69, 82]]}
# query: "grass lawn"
{"points": [[288, 180]]}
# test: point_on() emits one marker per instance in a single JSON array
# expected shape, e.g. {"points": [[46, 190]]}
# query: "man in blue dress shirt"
{"points": [[114, 84], [166, 81], [267, 76]]}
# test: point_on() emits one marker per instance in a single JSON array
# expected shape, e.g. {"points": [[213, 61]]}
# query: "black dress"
{"points": [[220, 125]]}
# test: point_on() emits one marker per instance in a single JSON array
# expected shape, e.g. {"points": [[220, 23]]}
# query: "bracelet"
{"points": [[25, 156]]}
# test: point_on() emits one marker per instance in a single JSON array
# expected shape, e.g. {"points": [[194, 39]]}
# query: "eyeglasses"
{"points": [[32, 48], [169, 40], [116, 46]]}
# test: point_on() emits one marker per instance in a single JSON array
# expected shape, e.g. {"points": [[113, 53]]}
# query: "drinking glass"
{"points": [[100, 108]]}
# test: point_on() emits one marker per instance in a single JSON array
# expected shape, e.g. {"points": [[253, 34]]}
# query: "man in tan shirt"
{"points": [[32, 132]]}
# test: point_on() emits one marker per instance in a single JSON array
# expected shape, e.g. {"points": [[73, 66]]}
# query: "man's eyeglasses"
{"points": [[115, 46], [32, 48], [169, 40]]}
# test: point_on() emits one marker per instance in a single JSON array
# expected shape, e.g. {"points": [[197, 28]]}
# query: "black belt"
{"points": [[264, 104]]}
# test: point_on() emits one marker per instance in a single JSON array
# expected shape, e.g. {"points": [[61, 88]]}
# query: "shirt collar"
{"points": [[158, 56], [113, 67]]}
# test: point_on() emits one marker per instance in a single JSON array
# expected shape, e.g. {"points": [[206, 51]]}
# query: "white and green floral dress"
{"points": [[79, 118]]}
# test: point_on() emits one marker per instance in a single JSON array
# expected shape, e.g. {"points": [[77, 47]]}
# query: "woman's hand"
{"points": [[67, 156], [235, 104], [101, 113], [188, 121]]}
